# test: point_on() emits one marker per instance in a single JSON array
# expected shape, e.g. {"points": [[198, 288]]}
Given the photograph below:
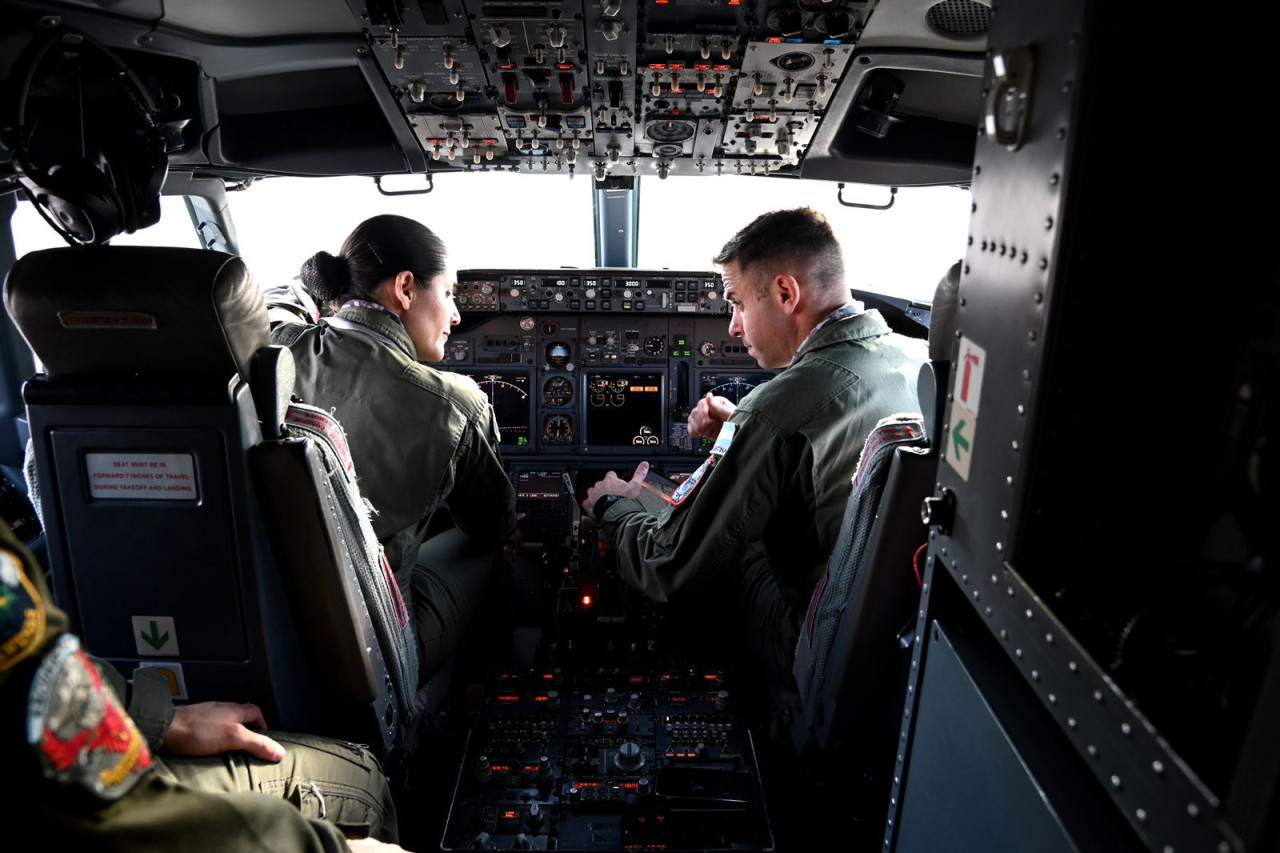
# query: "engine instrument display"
{"points": [[623, 410]]}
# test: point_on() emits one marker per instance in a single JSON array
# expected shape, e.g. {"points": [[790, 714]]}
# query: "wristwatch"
{"points": [[602, 505]]}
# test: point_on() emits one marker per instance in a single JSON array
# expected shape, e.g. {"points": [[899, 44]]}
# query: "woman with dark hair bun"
{"points": [[418, 436]]}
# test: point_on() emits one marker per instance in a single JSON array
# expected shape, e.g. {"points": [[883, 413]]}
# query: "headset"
{"points": [[92, 188]]}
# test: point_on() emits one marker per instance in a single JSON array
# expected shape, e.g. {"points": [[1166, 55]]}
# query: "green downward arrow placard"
{"points": [[155, 636], [155, 639]]}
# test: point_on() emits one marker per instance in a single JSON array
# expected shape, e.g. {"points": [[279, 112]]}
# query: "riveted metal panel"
{"points": [[1091, 451]]}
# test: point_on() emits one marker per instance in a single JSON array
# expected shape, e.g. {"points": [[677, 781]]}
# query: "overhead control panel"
{"points": [[614, 87]]}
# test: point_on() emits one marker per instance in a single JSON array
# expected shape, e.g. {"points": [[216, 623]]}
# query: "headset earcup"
{"points": [[113, 190], [146, 179], [78, 198]]}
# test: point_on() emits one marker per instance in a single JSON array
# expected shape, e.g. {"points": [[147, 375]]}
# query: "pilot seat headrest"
{"points": [[100, 309], [943, 322]]}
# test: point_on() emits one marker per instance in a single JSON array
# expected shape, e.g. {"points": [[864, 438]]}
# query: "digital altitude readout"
{"points": [[623, 409]]}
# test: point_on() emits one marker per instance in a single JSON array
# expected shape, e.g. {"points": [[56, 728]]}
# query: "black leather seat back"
{"points": [[852, 655], [143, 426], [846, 654]]}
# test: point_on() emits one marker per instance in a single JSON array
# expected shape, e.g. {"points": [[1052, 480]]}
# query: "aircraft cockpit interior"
{"points": [[1045, 613]]}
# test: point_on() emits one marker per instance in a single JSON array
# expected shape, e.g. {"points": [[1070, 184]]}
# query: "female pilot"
{"points": [[418, 436]]}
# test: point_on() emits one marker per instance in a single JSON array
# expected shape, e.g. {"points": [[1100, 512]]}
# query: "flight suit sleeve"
{"points": [[146, 698], [709, 532], [482, 501]]}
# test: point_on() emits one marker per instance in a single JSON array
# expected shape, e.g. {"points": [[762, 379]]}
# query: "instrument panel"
{"points": [[590, 380]]}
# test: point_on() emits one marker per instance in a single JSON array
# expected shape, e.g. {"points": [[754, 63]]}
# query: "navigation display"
{"points": [[732, 386], [623, 410], [508, 392]]}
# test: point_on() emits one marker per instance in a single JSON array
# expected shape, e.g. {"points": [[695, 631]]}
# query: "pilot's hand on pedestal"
{"points": [[709, 415], [612, 484], [210, 728]]}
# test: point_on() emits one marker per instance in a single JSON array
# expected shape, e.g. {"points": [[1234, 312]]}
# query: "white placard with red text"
{"points": [[142, 476]]}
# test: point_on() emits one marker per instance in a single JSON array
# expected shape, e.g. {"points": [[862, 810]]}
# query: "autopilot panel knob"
{"points": [[629, 758]]}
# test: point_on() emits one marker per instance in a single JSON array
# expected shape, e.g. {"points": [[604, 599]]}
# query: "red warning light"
{"points": [[774, 40], [586, 601], [510, 815]]}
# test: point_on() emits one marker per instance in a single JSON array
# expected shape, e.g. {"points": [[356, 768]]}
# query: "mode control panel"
{"points": [[595, 290]]}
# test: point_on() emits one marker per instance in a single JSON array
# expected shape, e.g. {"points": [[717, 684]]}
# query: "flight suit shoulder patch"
{"points": [[686, 488], [22, 612], [81, 734]]}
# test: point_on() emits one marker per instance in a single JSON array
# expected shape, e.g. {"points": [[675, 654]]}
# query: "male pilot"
{"points": [[761, 515]]}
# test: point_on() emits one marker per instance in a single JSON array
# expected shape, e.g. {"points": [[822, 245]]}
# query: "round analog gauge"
{"points": [[527, 324], [669, 130], [835, 24], [789, 22], [557, 429], [557, 391], [655, 345], [557, 354], [598, 385], [796, 61], [620, 385]]}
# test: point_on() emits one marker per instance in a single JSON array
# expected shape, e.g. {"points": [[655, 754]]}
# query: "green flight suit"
{"points": [[418, 437], [769, 509], [79, 774]]}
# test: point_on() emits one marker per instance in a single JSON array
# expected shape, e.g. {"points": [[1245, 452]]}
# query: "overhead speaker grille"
{"points": [[959, 18]]}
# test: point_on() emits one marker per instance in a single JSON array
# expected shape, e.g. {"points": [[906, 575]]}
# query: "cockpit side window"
{"points": [[31, 232]]}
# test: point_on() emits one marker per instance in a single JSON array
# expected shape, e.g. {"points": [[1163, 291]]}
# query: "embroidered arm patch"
{"points": [[78, 729], [22, 613]]}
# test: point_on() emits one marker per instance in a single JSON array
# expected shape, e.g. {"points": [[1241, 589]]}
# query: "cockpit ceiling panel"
{"points": [[611, 88], [904, 25], [258, 18]]}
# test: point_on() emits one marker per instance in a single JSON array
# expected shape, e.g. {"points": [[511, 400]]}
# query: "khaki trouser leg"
{"points": [[324, 778]]}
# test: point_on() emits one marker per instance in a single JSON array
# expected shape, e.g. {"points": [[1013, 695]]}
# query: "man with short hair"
{"points": [[764, 510]]}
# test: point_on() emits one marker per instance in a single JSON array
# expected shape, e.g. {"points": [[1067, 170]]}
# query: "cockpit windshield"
{"points": [[503, 220]]}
